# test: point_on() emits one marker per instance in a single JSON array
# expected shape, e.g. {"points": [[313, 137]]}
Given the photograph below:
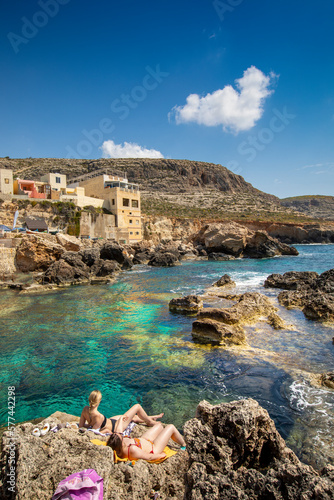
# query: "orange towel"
{"points": [[117, 459]]}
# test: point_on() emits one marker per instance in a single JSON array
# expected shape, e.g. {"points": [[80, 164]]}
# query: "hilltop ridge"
{"points": [[171, 187]]}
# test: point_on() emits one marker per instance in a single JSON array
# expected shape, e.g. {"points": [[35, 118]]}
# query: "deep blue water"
{"points": [[121, 338]]}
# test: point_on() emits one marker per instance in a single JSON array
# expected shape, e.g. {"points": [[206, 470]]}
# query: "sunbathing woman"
{"points": [[149, 446], [95, 419]]}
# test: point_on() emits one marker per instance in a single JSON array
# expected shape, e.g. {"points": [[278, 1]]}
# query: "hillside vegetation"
{"points": [[168, 187], [317, 206]]}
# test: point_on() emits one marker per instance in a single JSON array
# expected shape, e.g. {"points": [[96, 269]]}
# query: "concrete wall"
{"points": [[97, 226], [6, 181], [7, 260]]}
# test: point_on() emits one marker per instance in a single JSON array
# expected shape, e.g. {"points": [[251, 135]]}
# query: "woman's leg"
{"points": [[153, 432], [170, 431]]}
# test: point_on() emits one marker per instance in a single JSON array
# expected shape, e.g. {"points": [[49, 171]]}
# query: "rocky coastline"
{"points": [[233, 452], [63, 260]]}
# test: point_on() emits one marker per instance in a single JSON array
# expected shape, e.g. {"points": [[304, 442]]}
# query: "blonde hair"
{"points": [[94, 399]]}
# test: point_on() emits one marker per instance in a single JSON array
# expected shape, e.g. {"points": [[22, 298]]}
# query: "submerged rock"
{"points": [[224, 325], [190, 304]]}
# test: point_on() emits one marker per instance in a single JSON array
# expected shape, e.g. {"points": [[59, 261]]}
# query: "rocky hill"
{"points": [[173, 187], [313, 206]]}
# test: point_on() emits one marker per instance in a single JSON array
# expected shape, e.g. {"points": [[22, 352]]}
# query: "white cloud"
{"points": [[313, 169], [235, 109], [128, 150]]}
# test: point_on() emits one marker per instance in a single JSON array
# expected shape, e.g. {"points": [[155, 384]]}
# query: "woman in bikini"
{"points": [[149, 446], [92, 418]]}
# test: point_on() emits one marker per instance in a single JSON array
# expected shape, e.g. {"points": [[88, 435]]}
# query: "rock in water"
{"points": [[308, 291], [235, 452], [224, 281], [190, 304]]}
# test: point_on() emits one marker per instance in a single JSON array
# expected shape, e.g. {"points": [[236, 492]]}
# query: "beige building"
{"points": [[121, 198], [6, 181], [57, 182]]}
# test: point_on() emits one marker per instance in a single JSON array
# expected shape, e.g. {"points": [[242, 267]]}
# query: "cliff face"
{"points": [[314, 206]]}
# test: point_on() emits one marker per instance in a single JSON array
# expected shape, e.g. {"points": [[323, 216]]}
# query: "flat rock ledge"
{"points": [[223, 326], [233, 452]]}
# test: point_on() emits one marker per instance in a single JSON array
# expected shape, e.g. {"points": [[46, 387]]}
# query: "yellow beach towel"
{"points": [[117, 459]]}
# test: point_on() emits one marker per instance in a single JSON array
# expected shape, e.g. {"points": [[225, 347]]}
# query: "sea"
{"points": [[121, 338]]}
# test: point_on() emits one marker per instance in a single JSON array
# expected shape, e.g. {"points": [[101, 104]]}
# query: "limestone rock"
{"points": [[312, 293], [36, 253], [70, 243], [113, 251], [165, 259], [220, 256], [327, 379], [275, 321], [107, 268], [190, 304], [225, 281], [249, 307], [260, 245], [292, 280], [229, 238], [42, 462], [214, 332], [235, 452], [233, 239]]}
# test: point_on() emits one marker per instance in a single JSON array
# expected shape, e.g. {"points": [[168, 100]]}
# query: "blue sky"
{"points": [[244, 83]]}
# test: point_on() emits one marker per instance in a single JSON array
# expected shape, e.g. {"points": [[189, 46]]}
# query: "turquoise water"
{"points": [[121, 338]]}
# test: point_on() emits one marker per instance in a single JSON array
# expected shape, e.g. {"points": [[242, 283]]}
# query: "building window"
{"points": [[126, 202], [113, 202], [135, 203], [137, 232], [6, 181], [131, 232], [137, 221], [58, 180], [130, 221]]}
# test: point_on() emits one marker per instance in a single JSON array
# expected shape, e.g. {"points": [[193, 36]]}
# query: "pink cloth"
{"points": [[83, 485]]}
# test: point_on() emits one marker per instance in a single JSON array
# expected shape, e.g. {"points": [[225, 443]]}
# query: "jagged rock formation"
{"points": [[37, 254], [233, 452], [190, 304], [224, 281], [308, 291], [239, 241]]}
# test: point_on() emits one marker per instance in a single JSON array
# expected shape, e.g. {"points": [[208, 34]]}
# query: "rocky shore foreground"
{"points": [[233, 452]]}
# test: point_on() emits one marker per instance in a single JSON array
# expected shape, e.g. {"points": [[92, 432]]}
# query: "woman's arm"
{"points": [[82, 421]]}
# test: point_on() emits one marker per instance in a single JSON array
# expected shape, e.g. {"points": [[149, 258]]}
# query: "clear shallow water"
{"points": [[121, 338]]}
